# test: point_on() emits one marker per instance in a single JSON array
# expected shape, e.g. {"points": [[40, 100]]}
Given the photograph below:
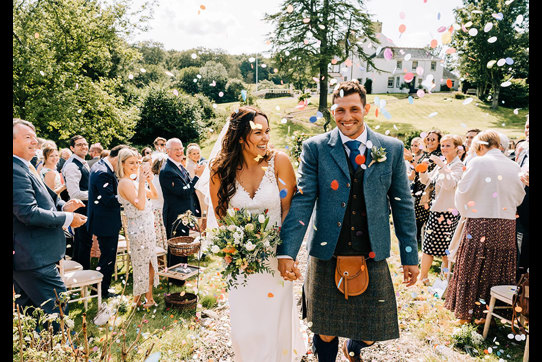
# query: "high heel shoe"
{"points": [[425, 281]]}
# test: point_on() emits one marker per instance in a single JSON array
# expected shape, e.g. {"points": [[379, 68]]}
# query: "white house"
{"points": [[396, 62]]}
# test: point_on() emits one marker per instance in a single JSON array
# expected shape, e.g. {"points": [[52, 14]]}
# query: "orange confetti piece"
{"points": [[372, 254], [402, 28], [434, 43], [376, 112], [334, 184], [421, 167], [360, 159], [270, 295], [518, 309], [202, 7], [449, 83]]}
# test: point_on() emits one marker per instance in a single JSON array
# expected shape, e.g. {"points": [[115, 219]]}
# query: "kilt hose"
{"points": [[371, 316]]}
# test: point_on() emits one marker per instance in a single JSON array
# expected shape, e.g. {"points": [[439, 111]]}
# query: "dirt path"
{"points": [[216, 344]]}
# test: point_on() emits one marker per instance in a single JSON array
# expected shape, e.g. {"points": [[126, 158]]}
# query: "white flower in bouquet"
{"points": [[249, 246], [476, 338], [231, 212], [215, 249], [249, 227], [261, 218], [238, 236], [266, 243], [232, 228], [223, 227]]}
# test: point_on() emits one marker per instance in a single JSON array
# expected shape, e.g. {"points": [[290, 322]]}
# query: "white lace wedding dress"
{"points": [[265, 325]]}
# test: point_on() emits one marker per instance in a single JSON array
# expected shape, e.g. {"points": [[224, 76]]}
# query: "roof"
{"points": [[448, 74], [415, 53]]}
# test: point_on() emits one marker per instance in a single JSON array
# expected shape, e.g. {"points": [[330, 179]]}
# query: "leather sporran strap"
{"points": [[351, 275]]}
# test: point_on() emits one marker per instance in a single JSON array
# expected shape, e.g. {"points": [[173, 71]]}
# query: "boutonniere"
{"points": [[378, 155]]}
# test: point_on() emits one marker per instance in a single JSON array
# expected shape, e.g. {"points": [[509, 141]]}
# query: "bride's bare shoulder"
{"points": [[282, 160]]}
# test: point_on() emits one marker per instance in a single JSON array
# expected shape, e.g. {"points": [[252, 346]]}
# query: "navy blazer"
{"points": [[103, 205], [179, 196], [385, 185], [38, 238]]}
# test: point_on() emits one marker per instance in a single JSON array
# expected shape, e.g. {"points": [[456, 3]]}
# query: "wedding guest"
{"points": [[146, 151], [157, 162], [413, 156], [193, 153], [443, 217], [179, 193], [133, 196], [159, 144], [76, 175], [431, 147], [522, 222], [95, 152], [461, 152], [65, 154], [487, 196], [104, 214], [49, 174], [38, 157], [39, 217], [471, 133], [504, 143], [104, 153]]}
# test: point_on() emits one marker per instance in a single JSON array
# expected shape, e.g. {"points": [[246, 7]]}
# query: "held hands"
{"points": [[78, 220], [288, 269], [73, 205], [410, 273]]}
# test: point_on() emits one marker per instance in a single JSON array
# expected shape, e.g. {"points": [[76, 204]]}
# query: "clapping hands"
{"points": [[73, 205]]}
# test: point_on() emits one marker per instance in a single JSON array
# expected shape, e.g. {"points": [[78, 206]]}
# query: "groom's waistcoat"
{"points": [[354, 235]]}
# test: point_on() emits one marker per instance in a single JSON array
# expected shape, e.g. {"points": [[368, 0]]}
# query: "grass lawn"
{"points": [[452, 117]]}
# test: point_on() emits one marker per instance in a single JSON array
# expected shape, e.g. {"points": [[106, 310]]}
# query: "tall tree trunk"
{"points": [[324, 60], [495, 100]]}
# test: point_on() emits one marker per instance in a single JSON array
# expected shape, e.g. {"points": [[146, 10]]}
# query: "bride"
{"points": [[246, 174]]}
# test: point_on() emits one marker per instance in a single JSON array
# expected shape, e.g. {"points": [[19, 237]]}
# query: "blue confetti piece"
{"points": [[313, 119], [408, 249], [509, 61], [244, 95], [469, 236], [319, 114], [348, 41], [438, 16], [445, 270], [447, 252], [386, 114], [283, 193], [410, 99], [286, 147]]}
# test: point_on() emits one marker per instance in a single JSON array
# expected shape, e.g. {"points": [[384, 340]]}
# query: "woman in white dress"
{"points": [[246, 174], [133, 195], [48, 172]]}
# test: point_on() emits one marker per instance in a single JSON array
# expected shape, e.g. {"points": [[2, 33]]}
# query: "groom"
{"points": [[353, 193]]}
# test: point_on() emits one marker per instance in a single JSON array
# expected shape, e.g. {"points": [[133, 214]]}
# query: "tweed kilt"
{"points": [[371, 316]]}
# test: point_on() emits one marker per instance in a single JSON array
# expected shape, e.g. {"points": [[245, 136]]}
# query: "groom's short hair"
{"points": [[348, 88]]}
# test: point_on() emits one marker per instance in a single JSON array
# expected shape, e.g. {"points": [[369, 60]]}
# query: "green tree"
{"points": [[167, 115], [69, 63], [316, 31], [213, 80], [188, 80], [478, 58]]}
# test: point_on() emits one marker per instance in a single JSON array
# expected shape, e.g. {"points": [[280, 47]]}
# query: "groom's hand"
{"points": [[287, 269], [410, 273]]}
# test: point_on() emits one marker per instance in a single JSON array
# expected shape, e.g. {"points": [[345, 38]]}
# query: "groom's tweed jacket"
{"points": [[385, 184]]}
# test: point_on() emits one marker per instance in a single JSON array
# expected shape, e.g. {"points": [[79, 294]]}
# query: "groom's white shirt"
{"points": [[362, 138]]}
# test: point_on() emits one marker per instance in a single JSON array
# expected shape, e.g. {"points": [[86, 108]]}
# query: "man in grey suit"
{"points": [[39, 216], [351, 186]]}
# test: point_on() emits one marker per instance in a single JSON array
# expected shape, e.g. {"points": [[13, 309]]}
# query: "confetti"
{"points": [[290, 8], [434, 43], [420, 93], [408, 249], [467, 101], [334, 184], [388, 54], [372, 254], [410, 100], [506, 84], [323, 243], [283, 193], [408, 77], [133, 176], [313, 118], [433, 114], [402, 28], [492, 40], [301, 222], [497, 16]]}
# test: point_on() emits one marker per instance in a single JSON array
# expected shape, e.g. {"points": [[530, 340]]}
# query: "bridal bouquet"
{"points": [[245, 241]]}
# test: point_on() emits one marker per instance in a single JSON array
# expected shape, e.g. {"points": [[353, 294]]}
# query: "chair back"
{"points": [[125, 228]]}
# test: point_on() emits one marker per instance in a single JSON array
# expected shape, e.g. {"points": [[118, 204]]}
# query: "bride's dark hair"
{"points": [[230, 159]]}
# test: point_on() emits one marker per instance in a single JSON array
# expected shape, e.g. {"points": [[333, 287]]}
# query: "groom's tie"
{"points": [[354, 152]]}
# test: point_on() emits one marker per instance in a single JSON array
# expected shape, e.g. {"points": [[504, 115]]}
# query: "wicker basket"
{"points": [[175, 300], [183, 245]]}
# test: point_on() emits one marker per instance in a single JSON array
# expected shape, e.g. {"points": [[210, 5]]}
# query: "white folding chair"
{"points": [[78, 280]]}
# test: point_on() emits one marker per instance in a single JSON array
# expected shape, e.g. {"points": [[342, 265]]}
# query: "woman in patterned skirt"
{"points": [[432, 147], [487, 196], [443, 217], [158, 160]]}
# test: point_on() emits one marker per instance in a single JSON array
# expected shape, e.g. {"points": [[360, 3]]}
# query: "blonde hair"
{"points": [[457, 140], [192, 146], [124, 154], [488, 138]]}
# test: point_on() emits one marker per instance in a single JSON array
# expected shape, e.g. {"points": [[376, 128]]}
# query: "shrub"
{"points": [[277, 95], [368, 85], [303, 96], [515, 95], [233, 90], [297, 144], [459, 95]]}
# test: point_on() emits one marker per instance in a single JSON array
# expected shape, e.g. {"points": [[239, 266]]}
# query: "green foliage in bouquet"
{"points": [[246, 242]]}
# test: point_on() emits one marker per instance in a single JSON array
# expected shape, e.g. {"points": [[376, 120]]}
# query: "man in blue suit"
{"points": [[351, 186], [179, 193], [104, 214], [39, 217]]}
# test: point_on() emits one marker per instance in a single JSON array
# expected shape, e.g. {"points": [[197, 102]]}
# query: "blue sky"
{"points": [[236, 26]]}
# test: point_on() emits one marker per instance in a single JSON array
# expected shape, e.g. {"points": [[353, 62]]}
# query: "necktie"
{"points": [[354, 152], [35, 172], [184, 172]]}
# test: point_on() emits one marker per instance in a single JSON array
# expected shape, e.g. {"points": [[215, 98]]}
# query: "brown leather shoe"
{"points": [[348, 356]]}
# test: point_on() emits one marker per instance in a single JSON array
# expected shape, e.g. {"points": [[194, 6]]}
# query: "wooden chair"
{"points": [[78, 280], [122, 254], [503, 293]]}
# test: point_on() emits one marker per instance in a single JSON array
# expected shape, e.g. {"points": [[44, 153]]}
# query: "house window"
{"points": [[399, 64], [433, 65], [414, 64], [419, 82], [345, 78], [397, 80], [390, 82]]}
